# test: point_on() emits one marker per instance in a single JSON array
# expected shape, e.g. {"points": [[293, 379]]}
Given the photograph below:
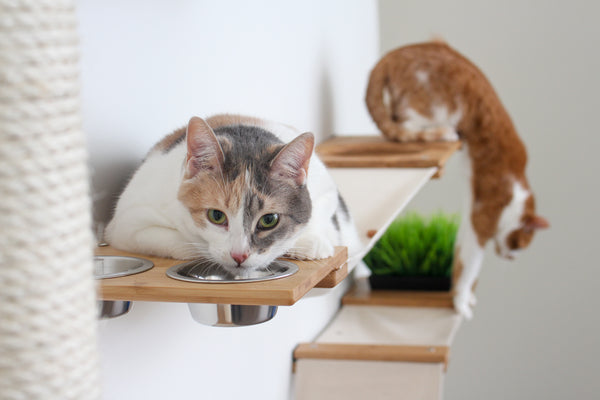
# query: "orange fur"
{"points": [[219, 120], [498, 156], [430, 92], [170, 140]]}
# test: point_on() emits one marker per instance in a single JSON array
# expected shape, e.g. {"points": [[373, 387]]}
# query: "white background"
{"points": [[148, 66]]}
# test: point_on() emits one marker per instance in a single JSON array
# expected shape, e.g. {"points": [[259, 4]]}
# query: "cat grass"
{"points": [[415, 245]]}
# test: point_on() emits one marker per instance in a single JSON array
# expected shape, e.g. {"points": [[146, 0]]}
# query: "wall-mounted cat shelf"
{"points": [[393, 337], [405, 348], [362, 295], [378, 152], [377, 177], [155, 285]]}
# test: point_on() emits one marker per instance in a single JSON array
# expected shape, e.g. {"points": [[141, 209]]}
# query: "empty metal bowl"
{"points": [[230, 314], [106, 267], [115, 266]]}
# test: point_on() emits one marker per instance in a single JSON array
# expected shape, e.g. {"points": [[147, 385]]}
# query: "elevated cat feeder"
{"points": [[155, 285], [221, 304]]}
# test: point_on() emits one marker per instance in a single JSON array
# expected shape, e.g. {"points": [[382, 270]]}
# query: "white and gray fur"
{"points": [[246, 168]]}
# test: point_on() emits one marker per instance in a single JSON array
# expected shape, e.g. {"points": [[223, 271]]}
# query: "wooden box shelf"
{"points": [[155, 285]]}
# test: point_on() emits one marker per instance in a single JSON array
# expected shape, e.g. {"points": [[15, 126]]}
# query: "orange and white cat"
{"points": [[430, 92]]}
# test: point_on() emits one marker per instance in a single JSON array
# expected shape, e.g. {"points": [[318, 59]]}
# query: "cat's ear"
{"points": [[536, 222], [291, 163], [204, 153]]}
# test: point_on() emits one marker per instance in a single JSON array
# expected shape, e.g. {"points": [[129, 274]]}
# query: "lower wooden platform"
{"points": [[372, 352], [361, 294]]}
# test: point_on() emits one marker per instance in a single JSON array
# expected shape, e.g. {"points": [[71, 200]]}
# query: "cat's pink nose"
{"points": [[239, 257]]}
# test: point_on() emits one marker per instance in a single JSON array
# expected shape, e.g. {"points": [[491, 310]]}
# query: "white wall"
{"points": [[148, 66], [536, 327]]}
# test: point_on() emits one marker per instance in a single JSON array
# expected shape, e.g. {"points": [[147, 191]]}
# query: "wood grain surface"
{"points": [[378, 152], [155, 285], [361, 296], [374, 352]]}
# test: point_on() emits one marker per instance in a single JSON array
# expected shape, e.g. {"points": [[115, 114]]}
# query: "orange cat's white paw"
{"points": [[449, 135], [311, 247], [464, 302], [441, 133]]}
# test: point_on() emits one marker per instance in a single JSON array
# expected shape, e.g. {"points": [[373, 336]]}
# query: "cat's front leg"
{"points": [[145, 230], [467, 265], [319, 237], [464, 300], [311, 246], [165, 242]]}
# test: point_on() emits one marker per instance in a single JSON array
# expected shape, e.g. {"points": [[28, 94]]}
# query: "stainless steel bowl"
{"points": [[112, 308], [115, 266], [106, 267], [230, 314], [206, 272]]}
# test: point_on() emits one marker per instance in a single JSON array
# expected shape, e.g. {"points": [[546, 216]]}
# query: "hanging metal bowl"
{"points": [[106, 267], [230, 314]]}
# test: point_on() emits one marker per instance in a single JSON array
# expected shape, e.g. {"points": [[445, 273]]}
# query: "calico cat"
{"points": [[236, 191], [428, 92]]}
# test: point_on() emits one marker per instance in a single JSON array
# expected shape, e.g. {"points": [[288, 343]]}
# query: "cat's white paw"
{"points": [[464, 302], [440, 133], [473, 300], [449, 135], [311, 247]]}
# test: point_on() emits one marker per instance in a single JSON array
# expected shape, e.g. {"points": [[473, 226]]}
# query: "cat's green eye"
{"points": [[217, 217], [268, 221]]}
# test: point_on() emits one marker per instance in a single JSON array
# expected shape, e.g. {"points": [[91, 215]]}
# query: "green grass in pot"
{"points": [[415, 246]]}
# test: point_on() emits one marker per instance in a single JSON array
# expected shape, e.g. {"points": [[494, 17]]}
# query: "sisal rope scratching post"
{"points": [[48, 346]]}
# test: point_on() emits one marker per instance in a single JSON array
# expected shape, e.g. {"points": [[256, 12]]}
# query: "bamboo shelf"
{"points": [[378, 152], [155, 285], [360, 295], [384, 333], [372, 352]]}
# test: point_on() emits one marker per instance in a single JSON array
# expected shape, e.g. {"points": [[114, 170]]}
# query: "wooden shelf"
{"points": [[378, 152], [361, 295], [372, 352], [155, 285], [386, 328]]}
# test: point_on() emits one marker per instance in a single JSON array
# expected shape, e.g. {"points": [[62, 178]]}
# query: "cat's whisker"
{"points": [[192, 250]]}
